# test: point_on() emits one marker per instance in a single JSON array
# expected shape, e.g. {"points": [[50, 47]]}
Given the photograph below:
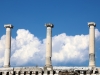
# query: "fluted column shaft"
{"points": [[49, 44], [91, 44], [7, 45]]}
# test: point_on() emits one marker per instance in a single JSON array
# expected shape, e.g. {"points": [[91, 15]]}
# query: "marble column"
{"points": [[48, 63], [7, 45], [92, 26]]}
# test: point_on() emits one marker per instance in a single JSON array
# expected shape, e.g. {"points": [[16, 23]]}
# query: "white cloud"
{"points": [[70, 49], [2, 46], [28, 49]]}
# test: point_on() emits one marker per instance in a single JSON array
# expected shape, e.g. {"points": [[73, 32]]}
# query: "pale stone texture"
{"points": [[8, 45], [48, 64], [92, 26]]}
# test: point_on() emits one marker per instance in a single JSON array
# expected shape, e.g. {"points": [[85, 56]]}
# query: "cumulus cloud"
{"points": [[70, 48], [2, 46], [27, 49]]}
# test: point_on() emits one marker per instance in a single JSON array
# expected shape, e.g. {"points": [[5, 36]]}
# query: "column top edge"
{"points": [[49, 25], [8, 26], [91, 24]]}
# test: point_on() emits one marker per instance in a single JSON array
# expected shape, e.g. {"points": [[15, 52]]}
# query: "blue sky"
{"points": [[68, 16]]}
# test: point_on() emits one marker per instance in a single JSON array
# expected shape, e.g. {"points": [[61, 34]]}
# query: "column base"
{"points": [[48, 69], [93, 66], [6, 66]]}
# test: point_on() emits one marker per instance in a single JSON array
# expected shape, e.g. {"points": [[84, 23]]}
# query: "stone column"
{"points": [[92, 26], [7, 45], [49, 46], [81, 72]]}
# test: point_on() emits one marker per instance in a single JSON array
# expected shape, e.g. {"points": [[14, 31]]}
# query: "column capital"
{"points": [[91, 24], [49, 25], [8, 26]]}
